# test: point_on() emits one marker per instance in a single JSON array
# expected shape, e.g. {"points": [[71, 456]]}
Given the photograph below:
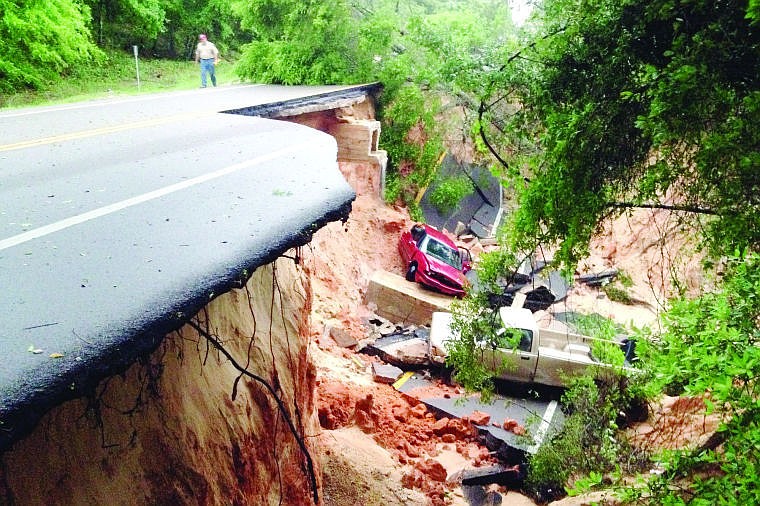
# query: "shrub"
{"points": [[617, 294], [447, 195]]}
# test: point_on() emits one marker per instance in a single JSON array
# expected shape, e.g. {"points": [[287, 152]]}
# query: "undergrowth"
{"points": [[115, 74], [447, 195], [589, 443]]}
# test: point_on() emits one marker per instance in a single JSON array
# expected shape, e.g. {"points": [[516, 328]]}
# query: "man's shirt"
{"points": [[206, 50]]}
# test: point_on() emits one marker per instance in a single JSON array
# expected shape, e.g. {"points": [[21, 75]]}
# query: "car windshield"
{"points": [[442, 252]]}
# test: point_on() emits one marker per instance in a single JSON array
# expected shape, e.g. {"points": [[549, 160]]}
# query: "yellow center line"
{"points": [[83, 134], [403, 379]]}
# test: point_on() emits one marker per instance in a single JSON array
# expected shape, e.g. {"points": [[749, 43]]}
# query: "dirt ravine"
{"points": [[378, 447]]}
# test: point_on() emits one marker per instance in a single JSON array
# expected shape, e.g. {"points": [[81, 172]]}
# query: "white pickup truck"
{"points": [[544, 356]]}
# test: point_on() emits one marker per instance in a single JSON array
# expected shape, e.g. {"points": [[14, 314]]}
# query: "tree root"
{"points": [[280, 404]]}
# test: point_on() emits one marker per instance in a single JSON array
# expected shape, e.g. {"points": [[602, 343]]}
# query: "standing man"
{"points": [[208, 55]]}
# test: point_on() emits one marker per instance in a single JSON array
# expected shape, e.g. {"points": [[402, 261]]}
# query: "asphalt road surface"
{"points": [[119, 219]]}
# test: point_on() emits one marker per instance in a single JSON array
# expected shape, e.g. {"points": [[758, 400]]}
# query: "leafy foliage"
{"points": [[474, 329], [118, 21], [638, 103], [40, 40], [617, 294], [413, 137], [449, 192], [709, 346], [605, 347], [185, 19], [432, 75], [590, 442], [44, 42], [301, 42]]}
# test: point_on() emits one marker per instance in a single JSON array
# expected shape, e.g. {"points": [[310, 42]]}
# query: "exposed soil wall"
{"points": [[182, 426]]}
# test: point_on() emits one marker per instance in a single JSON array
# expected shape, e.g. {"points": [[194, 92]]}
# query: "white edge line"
{"points": [[139, 199], [543, 427]]}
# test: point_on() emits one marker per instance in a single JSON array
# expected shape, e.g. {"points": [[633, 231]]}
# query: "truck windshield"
{"points": [[442, 252]]}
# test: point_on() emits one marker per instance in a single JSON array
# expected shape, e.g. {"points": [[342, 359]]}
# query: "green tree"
{"points": [[41, 40], [185, 19], [634, 103], [165, 28], [301, 42], [651, 104], [122, 23], [432, 78]]}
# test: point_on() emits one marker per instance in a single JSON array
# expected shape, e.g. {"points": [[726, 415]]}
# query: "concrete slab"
{"points": [[487, 214], [402, 301], [480, 230], [408, 349], [503, 475], [385, 373]]}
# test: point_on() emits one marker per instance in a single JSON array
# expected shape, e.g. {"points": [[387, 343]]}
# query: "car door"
{"points": [[466, 257]]}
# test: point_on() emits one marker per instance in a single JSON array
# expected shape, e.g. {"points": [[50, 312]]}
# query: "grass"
{"points": [[617, 294], [116, 76]]}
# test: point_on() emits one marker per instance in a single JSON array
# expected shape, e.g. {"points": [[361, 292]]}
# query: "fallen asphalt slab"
{"points": [[542, 418]]}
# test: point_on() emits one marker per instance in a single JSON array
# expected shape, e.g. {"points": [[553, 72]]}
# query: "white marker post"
{"points": [[137, 67]]}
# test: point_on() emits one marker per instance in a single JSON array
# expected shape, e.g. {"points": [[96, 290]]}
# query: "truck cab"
{"points": [[544, 356]]}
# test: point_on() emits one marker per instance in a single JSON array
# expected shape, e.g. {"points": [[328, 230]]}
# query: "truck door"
{"points": [[518, 364]]}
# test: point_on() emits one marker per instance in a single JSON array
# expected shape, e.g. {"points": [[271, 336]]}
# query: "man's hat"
{"points": [[202, 36]]}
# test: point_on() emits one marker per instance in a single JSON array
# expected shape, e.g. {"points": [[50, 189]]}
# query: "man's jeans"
{"points": [[207, 66]]}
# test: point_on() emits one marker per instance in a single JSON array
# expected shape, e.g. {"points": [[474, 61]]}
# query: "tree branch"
{"points": [[481, 130], [687, 209], [483, 107]]}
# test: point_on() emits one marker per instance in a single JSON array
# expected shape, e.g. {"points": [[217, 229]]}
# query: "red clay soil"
{"points": [[675, 423], [403, 426]]}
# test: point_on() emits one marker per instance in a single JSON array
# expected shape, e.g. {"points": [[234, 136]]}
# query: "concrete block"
{"points": [[357, 139], [404, 302], [385, 373]]}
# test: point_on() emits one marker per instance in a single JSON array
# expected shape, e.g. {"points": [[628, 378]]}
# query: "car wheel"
{"points": [[411, 272]]}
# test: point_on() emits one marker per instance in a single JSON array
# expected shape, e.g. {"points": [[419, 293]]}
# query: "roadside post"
{"points": [[137, 66]]}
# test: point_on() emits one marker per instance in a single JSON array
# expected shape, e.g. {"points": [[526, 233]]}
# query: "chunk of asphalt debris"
{"points": [[385, 373], [478, 496], [511, 476], [405, 347], [343, 338], [599, 278], [400, 349], [381, 326]]}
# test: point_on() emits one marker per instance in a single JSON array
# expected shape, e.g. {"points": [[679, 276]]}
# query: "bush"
{"points": [[617, 294], [589, 442], [447, 195]]}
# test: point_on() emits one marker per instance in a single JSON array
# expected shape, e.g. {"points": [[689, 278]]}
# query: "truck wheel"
{"points": [[411, 272]]}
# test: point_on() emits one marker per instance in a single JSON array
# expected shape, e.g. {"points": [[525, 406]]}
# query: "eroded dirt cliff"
{"points": [[183, 426]]}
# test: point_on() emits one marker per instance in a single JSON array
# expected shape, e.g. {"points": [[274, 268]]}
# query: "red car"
{"points": [[434, 260]]}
